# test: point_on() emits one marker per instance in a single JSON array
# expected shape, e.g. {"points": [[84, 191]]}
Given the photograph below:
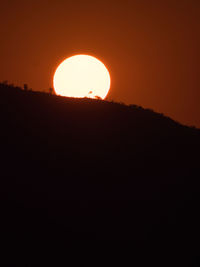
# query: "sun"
{"points": [[82, 76]]}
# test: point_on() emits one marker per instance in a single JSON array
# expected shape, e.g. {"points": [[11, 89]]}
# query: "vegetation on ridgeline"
{"points": [[82, 171]]}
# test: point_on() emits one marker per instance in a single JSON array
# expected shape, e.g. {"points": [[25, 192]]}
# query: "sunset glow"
{"points": [[82, 76]]}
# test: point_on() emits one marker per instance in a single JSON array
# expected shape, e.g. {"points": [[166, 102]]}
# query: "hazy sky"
{"points": [[151, 47]]}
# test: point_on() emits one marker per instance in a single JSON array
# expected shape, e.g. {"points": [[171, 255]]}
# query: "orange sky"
{"points": [[151, 47]]}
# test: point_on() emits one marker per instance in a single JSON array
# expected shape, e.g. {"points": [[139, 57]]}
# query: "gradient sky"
{"points": [[151, 48]]}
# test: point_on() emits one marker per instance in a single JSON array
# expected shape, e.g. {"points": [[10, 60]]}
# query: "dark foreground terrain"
{"points": [[93, 183]]}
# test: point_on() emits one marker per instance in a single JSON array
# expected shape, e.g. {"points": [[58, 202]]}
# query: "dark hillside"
{"points": [[83, 178]]}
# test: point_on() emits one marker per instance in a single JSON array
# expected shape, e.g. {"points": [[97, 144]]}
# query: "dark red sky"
{"points": [[151, 47]]}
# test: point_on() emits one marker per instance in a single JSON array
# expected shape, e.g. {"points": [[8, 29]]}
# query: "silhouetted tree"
{"points": [[25, 87], [51, 91]]}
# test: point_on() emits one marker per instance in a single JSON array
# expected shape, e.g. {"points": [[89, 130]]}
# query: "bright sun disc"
{"points": [[82, 76]]}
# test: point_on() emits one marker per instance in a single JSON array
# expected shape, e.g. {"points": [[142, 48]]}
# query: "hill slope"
{"points": [[78, 172]]}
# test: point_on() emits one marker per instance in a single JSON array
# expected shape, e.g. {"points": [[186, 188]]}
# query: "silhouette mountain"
{"points": [[96, 183]]}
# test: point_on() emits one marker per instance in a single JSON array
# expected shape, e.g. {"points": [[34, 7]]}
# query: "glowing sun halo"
{"points": [[82, 76]]}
